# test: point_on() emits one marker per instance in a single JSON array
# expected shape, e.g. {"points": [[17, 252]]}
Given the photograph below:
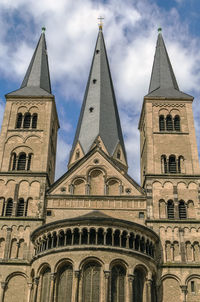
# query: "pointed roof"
{"points": [[99, 114], [163, 81], [37, 79]]}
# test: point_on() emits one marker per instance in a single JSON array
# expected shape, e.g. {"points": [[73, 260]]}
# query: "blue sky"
{"points": [[130, 31]]}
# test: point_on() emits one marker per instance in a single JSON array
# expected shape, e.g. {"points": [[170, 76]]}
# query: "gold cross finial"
{"points": [[100, 22]]}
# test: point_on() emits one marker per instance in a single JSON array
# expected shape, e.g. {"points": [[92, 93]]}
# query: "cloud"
{"points": [[130, 36]]}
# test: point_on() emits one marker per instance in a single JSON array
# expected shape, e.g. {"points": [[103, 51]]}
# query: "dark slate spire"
{"points": [[163, 81], [37, 79], [99, 116]]}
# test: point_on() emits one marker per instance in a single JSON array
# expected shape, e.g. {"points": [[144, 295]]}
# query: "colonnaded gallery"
{"points": [[95, 235]]}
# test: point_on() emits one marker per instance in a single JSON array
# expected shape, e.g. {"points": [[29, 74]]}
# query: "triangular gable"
{"points": [[80, 173]]}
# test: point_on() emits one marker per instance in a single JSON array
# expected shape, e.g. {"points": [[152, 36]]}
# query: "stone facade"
{"points": [[95, 235]]}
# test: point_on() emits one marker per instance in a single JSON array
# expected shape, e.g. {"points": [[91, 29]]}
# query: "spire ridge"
{"points": [[99, 118], [37, 77], [163, 81]]}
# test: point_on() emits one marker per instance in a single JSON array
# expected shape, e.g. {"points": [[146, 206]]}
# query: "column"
{"points": [[7, 243], [3, 287], [75, 288], [107, 276], [130, 287], [30, 286], [148, 288], [35, 290], [52, 283], [184, 292]]}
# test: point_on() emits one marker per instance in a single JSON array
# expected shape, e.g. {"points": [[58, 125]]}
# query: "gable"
{"points": [[96, 175]]}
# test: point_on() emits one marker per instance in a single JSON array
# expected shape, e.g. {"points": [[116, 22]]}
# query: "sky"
{"points": [[130, 32]]}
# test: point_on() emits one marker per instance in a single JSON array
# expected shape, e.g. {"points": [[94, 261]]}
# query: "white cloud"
{"points": [[130, 36]]}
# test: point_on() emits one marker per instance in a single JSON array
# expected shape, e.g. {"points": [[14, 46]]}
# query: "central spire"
{"points": [[99, 122]]}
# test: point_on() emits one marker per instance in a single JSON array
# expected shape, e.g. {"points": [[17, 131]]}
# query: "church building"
{"points": [[95, 235]]}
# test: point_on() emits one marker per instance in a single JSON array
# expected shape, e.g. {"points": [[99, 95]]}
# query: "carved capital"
{"points": [[36, 280], [107, 274], [53, 276], [3, 285], [131, 278], [77, 274], [184, 288]]}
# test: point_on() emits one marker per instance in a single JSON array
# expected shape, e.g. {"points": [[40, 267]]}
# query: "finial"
{"points": [[100, 22], [43, 29], [159, 29]]}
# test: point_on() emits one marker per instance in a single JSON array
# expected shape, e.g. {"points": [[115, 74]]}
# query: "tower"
{"points": [[27, 164], [170, 175]]}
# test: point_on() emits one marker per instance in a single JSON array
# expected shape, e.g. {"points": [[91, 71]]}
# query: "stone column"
{"points": [[7, 243], [3, 287], [30, 286], [35, 290], [148, 288], [52, 285], [75, 288], [184, 292], [130, 287], [107, 277]]}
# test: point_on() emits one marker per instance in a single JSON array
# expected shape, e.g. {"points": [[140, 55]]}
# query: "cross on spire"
{"points": [[101, 22]]}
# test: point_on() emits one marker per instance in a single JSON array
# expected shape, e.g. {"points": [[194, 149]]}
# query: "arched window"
{"points": [[161, 123], [118, 274], [177, 126], [34, 120], [29, 161], [91, 282], [77, 155], [21, 165], [45, 285], [164, 164], [20, 207], [169, 124], [182, 210], [138, 285], [13, 161], [170, 209], [27, 120], [19, 120], [172, 164], [64, 284], [3, 202], [9, 207]]}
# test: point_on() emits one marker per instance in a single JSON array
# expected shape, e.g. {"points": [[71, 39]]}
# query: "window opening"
{"points": [[118, 154], [21, 165], [97, 51], [182, 210], [172, 164], [94, 81], [170, 209], [20, 207], [162, 123], [9, 207], [27, 120], [177, 123], [34, 121], [91, 109], [169, 124], [192, 287], [19, 120]]}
